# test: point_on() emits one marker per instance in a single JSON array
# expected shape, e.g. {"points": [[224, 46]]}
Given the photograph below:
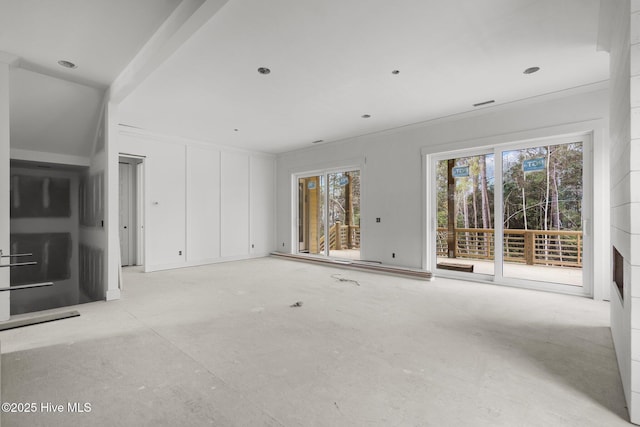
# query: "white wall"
{"points": [[234, 200], [392, 181], [203, 212], [625, 198], [165, 186], [262, 201], [203, 203]]}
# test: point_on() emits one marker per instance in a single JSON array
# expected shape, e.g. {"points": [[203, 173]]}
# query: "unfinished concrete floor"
{"points": [[220, 345]]}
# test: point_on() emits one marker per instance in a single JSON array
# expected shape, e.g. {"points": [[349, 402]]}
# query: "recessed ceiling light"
{"points": [[317, 141], [366, 116], [67, 64], [264, 70], [395, 72], [484, 103], [531, 70]]}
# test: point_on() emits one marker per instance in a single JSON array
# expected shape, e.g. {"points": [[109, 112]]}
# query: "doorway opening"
{"points": [[131, 210], [515, 214], [328, 220]]}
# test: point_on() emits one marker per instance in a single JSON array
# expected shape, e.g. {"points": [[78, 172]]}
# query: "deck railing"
{"points": [[340, 235], [532, 247]]}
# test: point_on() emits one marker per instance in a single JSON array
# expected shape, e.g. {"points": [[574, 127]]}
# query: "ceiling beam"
{"points": [[186, 19]]}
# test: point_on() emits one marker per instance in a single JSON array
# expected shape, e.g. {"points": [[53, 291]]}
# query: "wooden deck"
{"points": [[565, 275], [353, 254]]}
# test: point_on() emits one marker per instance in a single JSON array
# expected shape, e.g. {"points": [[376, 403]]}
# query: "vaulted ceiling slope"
{"points": [[53, 115], [55, 109], [331, 62]]}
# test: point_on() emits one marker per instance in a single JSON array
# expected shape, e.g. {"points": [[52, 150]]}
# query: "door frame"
{"points": [[301, 226], [124, 166], [324, 171], [430, 163], [433, 230], [140, 188], [137, 169]]}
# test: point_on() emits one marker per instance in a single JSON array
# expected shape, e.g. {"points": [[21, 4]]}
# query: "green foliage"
{"points": [[561, 180], [552, 197], [338, 206]]}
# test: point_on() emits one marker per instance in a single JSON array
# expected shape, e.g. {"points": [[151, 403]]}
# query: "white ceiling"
{"points": [[54, 109], [331, 62], [100, 36]]}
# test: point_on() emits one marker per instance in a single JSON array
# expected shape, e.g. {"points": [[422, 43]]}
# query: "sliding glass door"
{"points": [[514, 214], [542, 188], [329, 214], [465, 214], [311, 214]]}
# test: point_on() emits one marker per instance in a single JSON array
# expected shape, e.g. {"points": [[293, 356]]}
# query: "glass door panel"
{"points": [[344, 214], [542, 213], [465, 214], [311, 215]]}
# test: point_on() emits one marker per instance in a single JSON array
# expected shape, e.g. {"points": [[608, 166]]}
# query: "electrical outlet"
{"points": [[179, 252], [253, 246], [393, 255], [377, 219], [283, 244]]}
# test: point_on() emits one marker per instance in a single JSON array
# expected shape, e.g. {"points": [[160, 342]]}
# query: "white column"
{"points": [[111, 206], [632, 275]]}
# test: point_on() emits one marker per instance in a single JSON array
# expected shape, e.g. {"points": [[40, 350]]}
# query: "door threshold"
{"points": [[413, 273]]}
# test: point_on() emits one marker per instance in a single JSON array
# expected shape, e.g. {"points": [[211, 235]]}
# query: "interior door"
{"points": [[125, 229]]}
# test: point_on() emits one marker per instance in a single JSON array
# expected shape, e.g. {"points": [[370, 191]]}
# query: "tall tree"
{"points": [[474, 169], [555, 203], [546, 198], [463, 187], [451, 211], [486, 211]]}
